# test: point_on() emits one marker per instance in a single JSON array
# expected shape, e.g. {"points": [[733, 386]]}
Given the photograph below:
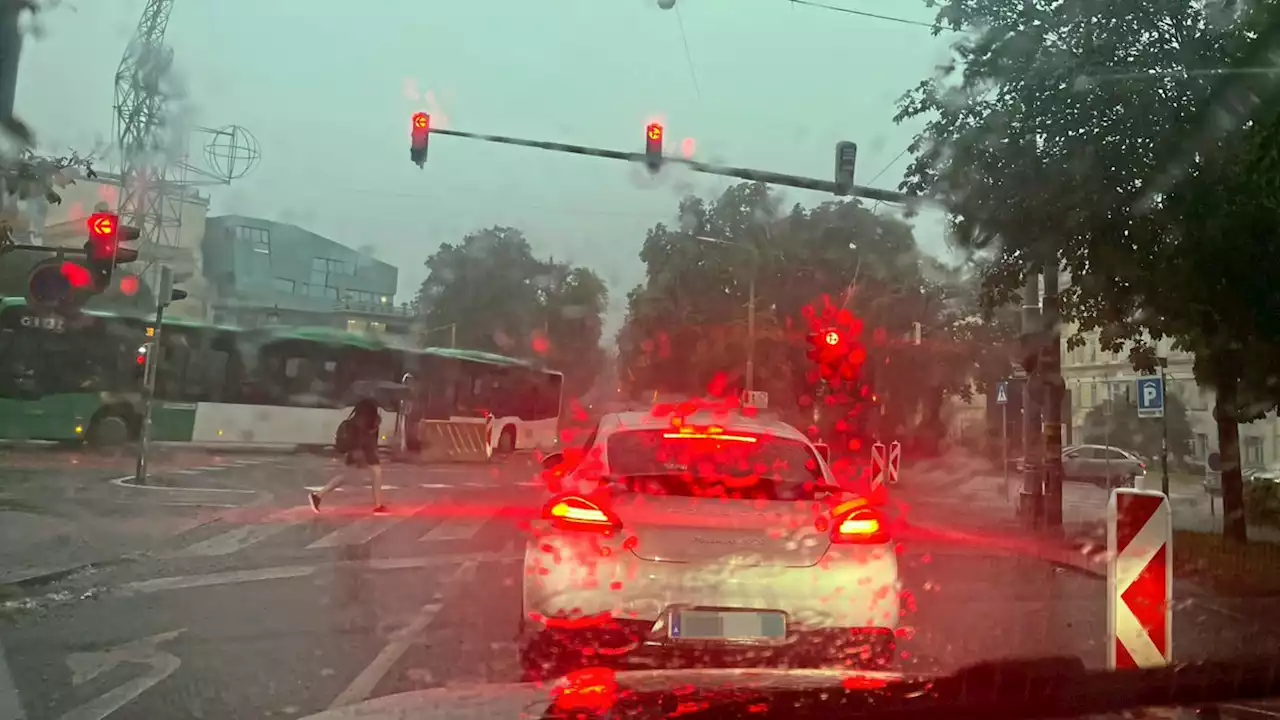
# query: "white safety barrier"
{"points": [[879, 468], [895, 459], [1139, 580]]}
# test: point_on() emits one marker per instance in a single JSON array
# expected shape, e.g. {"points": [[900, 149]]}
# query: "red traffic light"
{"points": [[421, 122], [654, 132], [831, 338], [103, 226]]}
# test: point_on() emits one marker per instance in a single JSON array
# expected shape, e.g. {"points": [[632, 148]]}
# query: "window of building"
{"points": [[285, 285], [259, 237], [1253, 452]]}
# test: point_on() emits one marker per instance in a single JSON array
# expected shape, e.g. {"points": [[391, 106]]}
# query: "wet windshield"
{"points": [[780, 338]]}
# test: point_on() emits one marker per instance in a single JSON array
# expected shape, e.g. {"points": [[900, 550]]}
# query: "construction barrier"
{"points": [[895, 459], [1139, 580], [455, 440]]}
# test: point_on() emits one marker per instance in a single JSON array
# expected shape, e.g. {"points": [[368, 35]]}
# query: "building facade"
{"points": [[268, 273]]}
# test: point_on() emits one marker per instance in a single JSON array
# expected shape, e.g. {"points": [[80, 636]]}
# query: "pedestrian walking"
{"points": [[357, 439]]}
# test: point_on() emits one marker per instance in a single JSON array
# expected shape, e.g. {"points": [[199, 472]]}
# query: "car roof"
{"points": [[729, 420]]}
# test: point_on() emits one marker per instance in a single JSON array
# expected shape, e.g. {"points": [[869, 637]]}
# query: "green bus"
{"points": [[80, 379]]}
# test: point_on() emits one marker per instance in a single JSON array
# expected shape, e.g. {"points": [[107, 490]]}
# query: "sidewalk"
{"points": [[959, 501]]}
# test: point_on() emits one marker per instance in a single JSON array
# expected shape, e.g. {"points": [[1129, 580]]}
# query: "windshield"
{"points": [[729, 464], [851, 336]]}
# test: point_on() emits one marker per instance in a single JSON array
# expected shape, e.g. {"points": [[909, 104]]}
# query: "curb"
{"points": [[1080, 557]]}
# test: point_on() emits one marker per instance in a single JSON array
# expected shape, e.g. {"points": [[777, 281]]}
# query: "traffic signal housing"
{"points": [[418, 137], [653, 147], [846, 163], [103, 251]]}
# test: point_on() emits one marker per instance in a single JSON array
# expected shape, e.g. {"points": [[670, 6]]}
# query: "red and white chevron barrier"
{"points": [[1139, 580], [895, 459]]}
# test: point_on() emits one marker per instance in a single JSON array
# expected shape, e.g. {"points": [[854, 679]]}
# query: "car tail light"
{"points": [[576, 513], [861, 526]]}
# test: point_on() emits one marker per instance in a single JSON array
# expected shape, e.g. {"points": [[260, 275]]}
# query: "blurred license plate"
{"points": [[728, 625]]}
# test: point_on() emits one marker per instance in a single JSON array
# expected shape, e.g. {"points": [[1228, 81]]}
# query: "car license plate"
{"points": [[728, 625]]}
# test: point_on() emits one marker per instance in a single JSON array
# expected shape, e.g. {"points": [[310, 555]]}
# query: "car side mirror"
{"points": [[824, 451], [552, 460]]}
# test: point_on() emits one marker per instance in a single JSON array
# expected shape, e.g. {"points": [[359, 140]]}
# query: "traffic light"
{"points": [[825, 345], [53, 284], [103, 249], [421, 129], [653, 147], [846, 163]]}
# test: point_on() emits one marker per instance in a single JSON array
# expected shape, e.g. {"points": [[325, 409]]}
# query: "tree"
{"points": [[496, 296], [1088, 136], [686, 326], [1116, 423]]}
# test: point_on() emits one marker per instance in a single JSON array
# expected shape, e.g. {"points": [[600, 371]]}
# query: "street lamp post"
{"points": [[751, 306]]}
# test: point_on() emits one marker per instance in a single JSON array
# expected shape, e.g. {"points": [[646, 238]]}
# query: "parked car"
{"points": [[1106, 467]]}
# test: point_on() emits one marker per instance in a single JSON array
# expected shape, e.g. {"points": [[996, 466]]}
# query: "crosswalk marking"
{"points": [[340, 488], [232, 541], [453, 530], [357, 533]]}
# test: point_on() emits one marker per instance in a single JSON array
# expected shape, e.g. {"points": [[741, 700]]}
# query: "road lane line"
{"points": [[453, 530], [233, 540], [340, 488], [10, 700], [356, 533], [124, 482], [368, 679], [185, 582]]}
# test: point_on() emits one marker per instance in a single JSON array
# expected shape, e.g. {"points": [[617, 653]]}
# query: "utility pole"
{"points": [[10, 50], [1051, 376], [1031, 497]]}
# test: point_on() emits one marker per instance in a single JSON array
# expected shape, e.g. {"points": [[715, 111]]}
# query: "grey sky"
{"points": [[328, 88]]}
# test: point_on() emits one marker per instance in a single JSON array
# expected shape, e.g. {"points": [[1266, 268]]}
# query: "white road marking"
{"points": [[368, 679], [188, 472], [232, 541], [10, 700], [436, 486], [357, 533], [126, 482], [184, 582], [176, 504], [453, 530], [209, 467], [340, 488], [86, 666]]}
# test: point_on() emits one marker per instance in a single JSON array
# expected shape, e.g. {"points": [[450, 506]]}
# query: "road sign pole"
{"points": [[1139, 580], [1004, 446], [1164, 432]]}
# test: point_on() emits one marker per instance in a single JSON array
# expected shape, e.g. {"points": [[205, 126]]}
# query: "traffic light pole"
{"points": [[1054, 391], [764, 176], [150, 371], [1031, 497]]}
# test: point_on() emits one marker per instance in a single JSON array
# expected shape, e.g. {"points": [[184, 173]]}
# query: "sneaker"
{"points": [[315, 502], [380, 510]]}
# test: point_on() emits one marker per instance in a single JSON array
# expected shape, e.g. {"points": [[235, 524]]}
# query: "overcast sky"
{"points": [[328, 87]]}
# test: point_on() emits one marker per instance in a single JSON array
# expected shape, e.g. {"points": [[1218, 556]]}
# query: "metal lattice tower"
{"points": [[150, 198]]}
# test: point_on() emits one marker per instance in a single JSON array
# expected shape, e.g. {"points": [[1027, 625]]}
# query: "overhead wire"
{"points": [[865, 14], [688, 55]]}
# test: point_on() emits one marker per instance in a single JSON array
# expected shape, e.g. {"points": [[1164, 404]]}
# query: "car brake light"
{"points": [[575, 513], [862, 526]]}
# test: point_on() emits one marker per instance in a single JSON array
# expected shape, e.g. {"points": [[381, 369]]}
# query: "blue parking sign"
{"points": [[1150, 397]]}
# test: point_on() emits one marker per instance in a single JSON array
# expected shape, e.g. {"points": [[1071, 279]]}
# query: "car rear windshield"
{"points": [[726, 464]]}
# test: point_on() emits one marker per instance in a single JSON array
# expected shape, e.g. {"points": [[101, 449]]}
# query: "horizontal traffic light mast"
{"points": [[653, 159]]}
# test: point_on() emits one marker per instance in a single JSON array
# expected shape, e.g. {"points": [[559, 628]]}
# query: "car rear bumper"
{"points": [[851, 587], [634, 644]]}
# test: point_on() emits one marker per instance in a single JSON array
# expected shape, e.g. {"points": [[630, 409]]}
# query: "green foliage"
{"points": [[1115, 138], [686, 326], [1116, 423], [505, 300]]}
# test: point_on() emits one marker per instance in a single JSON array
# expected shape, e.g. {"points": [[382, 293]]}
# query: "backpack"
{"points": [[345, 439]]}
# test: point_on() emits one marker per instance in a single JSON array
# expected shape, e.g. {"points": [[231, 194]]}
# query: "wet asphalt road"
{"points": [[251, 606]]}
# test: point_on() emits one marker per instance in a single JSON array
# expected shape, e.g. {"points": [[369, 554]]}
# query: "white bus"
{"points": [[523, 402]]}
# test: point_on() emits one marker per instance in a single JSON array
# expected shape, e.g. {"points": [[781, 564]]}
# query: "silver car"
{"points": [[704, 540]]}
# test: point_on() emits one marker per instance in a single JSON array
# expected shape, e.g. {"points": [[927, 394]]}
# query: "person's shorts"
{"points": [[363, 456]]}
